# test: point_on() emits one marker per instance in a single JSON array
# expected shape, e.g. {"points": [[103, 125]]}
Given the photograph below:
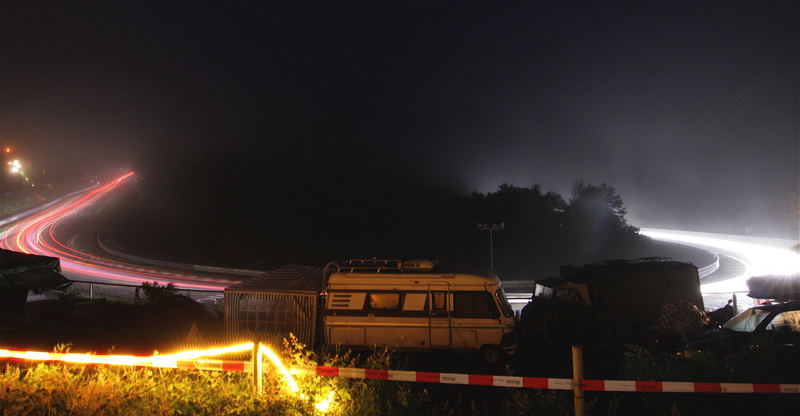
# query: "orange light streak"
{"points": [[277, 362], [161, 361]]}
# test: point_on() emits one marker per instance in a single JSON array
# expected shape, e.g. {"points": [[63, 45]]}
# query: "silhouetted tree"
{"points": [[597, 208]]}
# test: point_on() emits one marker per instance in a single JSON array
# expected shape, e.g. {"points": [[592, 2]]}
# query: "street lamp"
{"points": [[16, 166], [16, 169], [491, 228]]}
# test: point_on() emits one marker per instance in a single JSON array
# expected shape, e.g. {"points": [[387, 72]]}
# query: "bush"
{"points": [[86, 390], [157, 294]]}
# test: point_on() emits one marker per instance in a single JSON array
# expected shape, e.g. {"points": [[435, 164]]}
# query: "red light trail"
{"points": [[36, 235]]}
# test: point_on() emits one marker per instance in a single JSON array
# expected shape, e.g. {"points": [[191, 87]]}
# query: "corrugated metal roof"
{"points": [[287, 278], [28, 271], [12, 262]]}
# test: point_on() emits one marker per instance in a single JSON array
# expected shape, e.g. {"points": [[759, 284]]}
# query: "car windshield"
{"points": [[746, 321]]}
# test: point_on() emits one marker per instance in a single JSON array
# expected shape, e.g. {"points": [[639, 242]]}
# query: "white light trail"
{"points": [[759, 259]]}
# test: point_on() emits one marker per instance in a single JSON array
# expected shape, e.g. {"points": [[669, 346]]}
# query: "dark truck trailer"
{"points": [[610, 302]]}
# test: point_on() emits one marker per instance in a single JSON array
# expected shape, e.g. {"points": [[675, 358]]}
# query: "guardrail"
{"points": [[164, 263], [708, 270]]}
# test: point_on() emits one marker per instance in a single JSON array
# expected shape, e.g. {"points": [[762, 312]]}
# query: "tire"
{"points": [[491, 355]]}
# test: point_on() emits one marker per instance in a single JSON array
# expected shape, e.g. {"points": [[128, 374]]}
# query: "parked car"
{"points": [[776, 325]]}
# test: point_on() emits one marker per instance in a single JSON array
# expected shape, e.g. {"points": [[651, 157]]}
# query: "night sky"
{"points": [[689, 109]]}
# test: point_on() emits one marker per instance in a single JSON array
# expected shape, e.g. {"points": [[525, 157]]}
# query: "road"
{"points": [[741, 257], [37, 235]]}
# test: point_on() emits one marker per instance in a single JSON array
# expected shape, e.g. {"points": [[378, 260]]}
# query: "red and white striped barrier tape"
{"points": [[551, 383], [686, 387], [419, 376]]}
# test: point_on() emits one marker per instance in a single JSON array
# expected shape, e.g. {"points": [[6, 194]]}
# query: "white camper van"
{"points": [[416, 305]]}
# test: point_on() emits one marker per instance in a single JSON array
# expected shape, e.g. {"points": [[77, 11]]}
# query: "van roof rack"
{"points": [[373, 265], [376, 265]]}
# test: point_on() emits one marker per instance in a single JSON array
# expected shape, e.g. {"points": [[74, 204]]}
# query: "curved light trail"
{"points": [[36, 235], [759, 256]]}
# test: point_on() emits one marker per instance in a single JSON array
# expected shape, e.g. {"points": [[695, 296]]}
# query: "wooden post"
{"points": [[258, 368], [254, 361], [577, 376]]}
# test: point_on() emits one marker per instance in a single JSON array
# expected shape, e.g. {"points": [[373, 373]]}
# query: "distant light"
{"points": [[7, 149], [16, 166]]}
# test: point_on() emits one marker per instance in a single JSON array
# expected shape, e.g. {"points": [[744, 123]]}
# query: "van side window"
{"points": [[384, 301], [439, 301], [415, 301], [474, 305]]}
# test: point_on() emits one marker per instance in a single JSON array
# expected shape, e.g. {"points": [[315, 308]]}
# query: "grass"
{"points": [[70, 389], [60, 389]]}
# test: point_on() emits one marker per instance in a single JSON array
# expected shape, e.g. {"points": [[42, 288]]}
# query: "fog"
{"points": [[689, 110]]}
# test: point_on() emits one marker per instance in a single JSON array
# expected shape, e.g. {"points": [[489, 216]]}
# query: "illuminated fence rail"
{"points": [[187, 360], [134, 293]]}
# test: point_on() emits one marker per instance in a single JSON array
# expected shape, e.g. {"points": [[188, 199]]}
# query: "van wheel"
{"points": [[491, 355]]}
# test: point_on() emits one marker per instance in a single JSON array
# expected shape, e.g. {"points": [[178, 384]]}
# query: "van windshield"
{"points": [[503, 301]]}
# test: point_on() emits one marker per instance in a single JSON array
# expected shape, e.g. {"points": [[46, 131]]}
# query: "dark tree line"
{"points": [[249, 215]]}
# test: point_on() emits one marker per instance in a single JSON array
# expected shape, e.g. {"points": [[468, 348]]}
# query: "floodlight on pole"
{"points": [[16, 166], [491, 228], [16, 169]]}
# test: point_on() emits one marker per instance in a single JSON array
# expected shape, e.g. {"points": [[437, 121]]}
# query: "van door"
{"points": [[439, 314]]}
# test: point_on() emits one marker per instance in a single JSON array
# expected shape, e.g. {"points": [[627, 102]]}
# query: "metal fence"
{"points": [[134, 293]]}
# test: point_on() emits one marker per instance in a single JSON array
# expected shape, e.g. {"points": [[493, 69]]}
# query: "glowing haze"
{"points": [[688, 108]]}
